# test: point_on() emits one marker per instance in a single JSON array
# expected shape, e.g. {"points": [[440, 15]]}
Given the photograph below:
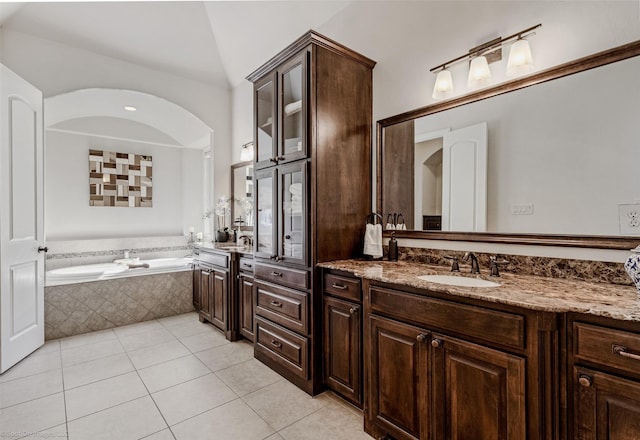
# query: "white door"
{"points": [[464, 179], [21, 219]]}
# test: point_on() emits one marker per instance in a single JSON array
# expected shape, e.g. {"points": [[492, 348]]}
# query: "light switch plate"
{"points": [[629, 217]]}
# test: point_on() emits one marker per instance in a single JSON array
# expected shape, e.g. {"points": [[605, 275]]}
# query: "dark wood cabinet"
{"points": [[196, 286], [312, 132], [247, 305], [218, 294], [211, 287], [205, 293]]}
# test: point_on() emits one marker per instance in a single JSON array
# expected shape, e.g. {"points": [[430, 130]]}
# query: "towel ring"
{"points": [[373, 216]]}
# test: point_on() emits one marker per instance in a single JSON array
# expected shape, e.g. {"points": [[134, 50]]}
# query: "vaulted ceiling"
{"points": [[216, 42]]}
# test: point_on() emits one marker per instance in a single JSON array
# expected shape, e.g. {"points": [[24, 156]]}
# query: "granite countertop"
{"points": [[530, 292], [230, 247]]}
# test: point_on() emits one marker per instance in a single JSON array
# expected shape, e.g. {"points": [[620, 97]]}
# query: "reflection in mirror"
{"points": [[242, 195], [562, 157]]}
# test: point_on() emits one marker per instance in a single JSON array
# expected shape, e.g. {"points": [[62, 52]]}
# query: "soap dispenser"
{"points": [[393, 248]]}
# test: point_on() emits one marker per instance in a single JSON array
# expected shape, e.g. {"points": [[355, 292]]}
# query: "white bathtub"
{"points": [[109, 271]]}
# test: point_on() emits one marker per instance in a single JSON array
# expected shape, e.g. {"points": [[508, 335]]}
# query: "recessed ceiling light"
{"points": [[130, 108]]}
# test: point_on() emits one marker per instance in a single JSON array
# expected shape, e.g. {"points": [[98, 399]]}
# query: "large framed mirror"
{"points": [[242, 195], [559, 163]]}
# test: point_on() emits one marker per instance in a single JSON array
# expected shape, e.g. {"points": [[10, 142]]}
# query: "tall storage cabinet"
{"points": [[312, 121]]}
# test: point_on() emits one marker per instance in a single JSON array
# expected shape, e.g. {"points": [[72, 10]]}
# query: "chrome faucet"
{"points": [[475, 267]]}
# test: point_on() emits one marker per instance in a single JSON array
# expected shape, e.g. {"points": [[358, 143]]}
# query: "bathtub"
{"points": [[120, 269]]}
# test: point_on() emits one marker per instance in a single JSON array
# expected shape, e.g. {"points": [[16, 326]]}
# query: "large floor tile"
{"points": [[90, 352], [191, 398], [234, 420], [149, 356], [86, 338], [139, 327], [282, 403], [204, 341], [275, 436], [106, 393], [132, 420], [48, 348], [176, 320], [29, 388], [149, 338], [165, 434], [189, 328], [226, 356], [33, 416], [93, 371], [173, 372], [56, 433], [333, 421], [248, 377], [33, 365]]}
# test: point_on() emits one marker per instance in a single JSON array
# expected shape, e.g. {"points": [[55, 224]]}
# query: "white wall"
{"points": [[68, 214]]}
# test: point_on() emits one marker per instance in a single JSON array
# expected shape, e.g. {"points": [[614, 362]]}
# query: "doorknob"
{"points": [[43, 249]]}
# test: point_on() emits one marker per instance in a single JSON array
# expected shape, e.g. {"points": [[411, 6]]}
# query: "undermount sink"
{"points": [[460, 281]]}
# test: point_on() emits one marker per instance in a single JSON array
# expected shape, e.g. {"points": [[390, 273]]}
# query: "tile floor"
{"points": [[171, 378]]}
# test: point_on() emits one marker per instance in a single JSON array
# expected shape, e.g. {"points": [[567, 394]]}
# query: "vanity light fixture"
{"points": [[520, 62], [130, 108], [247, 152]]}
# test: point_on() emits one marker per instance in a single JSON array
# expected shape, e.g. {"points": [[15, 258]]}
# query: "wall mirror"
{"points": [[560, 156], [242, 195]]}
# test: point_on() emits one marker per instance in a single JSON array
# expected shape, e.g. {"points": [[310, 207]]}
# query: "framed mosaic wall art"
{"points": [[120, 179]]}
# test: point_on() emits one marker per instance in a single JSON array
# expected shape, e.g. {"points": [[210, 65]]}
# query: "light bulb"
{"points": [[443, 88], [520, 59], [479, 73]]}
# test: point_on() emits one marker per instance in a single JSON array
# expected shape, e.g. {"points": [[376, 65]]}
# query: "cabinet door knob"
{"points": [[280, 158], [436, 343], [287, 237], [276, 344], [273, 159], [421, 337], [353, 310], [276, 303], [585, 380], [276, 274]]}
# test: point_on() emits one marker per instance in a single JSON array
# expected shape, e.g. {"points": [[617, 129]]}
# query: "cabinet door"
{"points": [[479, 393], [342, 348], [247, 306], [292, 213], [606, 407], [265, 120], [292, 109], [205, 295], [219, 294], [399, 389], [265, 234], [196, 287]]}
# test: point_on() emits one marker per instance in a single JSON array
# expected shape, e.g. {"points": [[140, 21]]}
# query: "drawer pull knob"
{"points": [[622, 351], [276, 303], [339, 286], [421, 337], [353, 310], [436, 343], [276, 344], [248, 265], [276, 274], [585, 380]]}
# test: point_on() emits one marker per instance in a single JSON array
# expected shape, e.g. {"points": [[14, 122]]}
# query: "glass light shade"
{"points": [[443, 88], [479, 73], [520, 59], [247, 152]]}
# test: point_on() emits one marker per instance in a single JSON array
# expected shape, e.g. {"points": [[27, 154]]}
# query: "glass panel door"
{"points": [[265, 225], [265, 124], [293, 213], [292, 142]]}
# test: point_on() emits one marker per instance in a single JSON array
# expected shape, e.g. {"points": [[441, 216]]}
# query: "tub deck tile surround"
{"points": [[531, 292], [80, 308]]}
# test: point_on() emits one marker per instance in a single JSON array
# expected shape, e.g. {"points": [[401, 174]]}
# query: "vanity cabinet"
{"points": [[342, 336], [312, 134], [246, 298], [438, 368], [604, 382], [213, 273]]}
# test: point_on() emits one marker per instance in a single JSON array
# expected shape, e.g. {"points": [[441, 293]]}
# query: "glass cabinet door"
{"points": [[292, 109], [265, 207], [292, 228], [265, 124]]}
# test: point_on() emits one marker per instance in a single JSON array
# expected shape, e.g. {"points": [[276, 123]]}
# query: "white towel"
{"points": [[292, 107], [373, 240]]}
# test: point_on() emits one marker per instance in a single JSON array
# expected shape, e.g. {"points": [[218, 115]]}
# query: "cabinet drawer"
{"points": [[283, 275], [489, 325], [605, 346], [285, 306], [246, 264], [343, 287], [214, 259], [283, 347]]}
